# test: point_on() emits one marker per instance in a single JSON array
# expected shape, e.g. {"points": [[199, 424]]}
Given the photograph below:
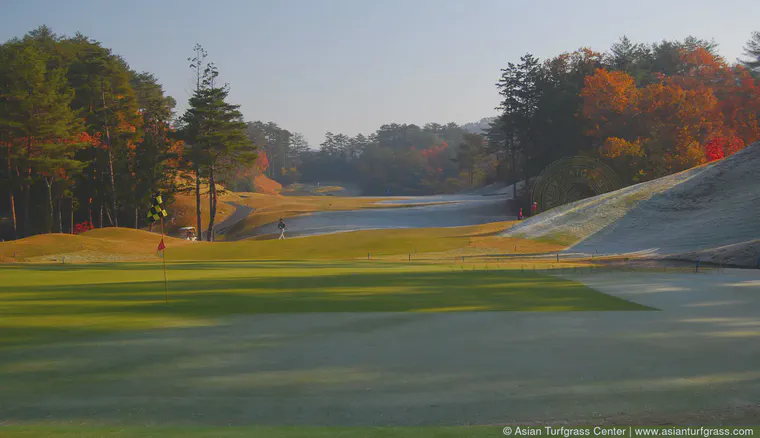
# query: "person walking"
{"points": [[281, 226], [520, 215], [533, 209]]}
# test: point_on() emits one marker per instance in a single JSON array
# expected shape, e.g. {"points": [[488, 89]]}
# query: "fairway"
{"points": [[40, 303]]}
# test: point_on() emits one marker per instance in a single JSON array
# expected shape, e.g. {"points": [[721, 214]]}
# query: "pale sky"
{"points": [[350, 66]]}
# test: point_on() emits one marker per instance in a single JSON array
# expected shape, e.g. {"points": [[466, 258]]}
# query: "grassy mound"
{"points": [[107, 244], [709, 212], [123, 244], [571, 223]]}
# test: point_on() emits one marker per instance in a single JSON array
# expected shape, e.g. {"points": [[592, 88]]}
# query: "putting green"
{"points": [[45, 303]]}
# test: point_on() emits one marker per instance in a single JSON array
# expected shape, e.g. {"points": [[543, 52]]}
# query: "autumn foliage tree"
{"points": [[80, 131], [705, 111], [648, 110]]}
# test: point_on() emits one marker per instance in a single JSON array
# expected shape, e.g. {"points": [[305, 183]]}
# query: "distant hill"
{"points": [[479, 127]]}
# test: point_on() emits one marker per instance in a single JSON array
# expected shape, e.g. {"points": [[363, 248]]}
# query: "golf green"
{"points": [[44, 303]]}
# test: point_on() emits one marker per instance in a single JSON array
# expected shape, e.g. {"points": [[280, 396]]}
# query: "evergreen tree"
{"points": [[752, 51], [152, 162], [519, 88], [39, 121], [217, 133]]}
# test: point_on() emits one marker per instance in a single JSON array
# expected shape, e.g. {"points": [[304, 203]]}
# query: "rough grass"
{"points": [[329, 189], [264, 184], [43, 303], [114, 244]]}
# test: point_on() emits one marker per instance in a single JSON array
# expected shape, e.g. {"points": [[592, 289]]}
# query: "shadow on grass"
{"points": [[45, 313]]}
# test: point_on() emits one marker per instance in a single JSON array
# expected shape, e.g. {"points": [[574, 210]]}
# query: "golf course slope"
{"points": [[99, 245], [710, 213]]}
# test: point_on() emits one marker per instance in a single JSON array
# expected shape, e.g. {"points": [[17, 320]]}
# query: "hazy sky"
{"points": [[349, 66]]}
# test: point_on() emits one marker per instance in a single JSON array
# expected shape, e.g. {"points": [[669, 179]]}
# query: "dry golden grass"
{"points": [[265, 185], [478, 241], [96, 245], [329, 189], [182, 210]]}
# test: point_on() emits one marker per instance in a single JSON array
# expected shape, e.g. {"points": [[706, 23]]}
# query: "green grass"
{"points": [[251, 432], [122, 244], [45, 303], [273, 432], [349, 245]]}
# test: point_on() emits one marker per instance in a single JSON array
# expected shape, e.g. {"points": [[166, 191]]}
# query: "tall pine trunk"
{"points": [[13, 212], [136, 219], [211, 203], [110, 218], [115, 220], [71, 217], [49, 183], [60, 216], [27, 219], [198, 198], [27, 191], [514, 170], [10, 194], [109, 145]]}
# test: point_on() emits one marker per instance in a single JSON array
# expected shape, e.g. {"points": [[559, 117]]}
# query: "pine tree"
{"points": [[196, 156], [752, 51], [106, 100], [152, 168], [40, 122], [518, 86], [217, 134]]}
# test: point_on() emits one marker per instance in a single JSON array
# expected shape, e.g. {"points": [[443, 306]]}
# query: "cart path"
{"points": [[240, 214]]}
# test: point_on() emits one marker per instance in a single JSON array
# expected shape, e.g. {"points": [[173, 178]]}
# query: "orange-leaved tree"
{"points": [[706, 111]]}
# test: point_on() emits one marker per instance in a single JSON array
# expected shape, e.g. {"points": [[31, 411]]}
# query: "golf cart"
{"points": [[188, 233]]}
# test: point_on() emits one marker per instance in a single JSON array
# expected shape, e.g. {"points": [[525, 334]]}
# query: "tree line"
{"points": [[84, 137], [403, 159], [647, 110], [86, 141]]}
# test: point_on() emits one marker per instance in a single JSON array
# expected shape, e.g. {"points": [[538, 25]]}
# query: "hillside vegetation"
{"points": [[709, 212]]}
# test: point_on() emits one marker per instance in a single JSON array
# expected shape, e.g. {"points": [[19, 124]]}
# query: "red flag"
{"points": [[161, 245]]}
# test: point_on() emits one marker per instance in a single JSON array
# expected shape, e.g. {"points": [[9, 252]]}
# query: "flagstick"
{"points": [[163, 257]]}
